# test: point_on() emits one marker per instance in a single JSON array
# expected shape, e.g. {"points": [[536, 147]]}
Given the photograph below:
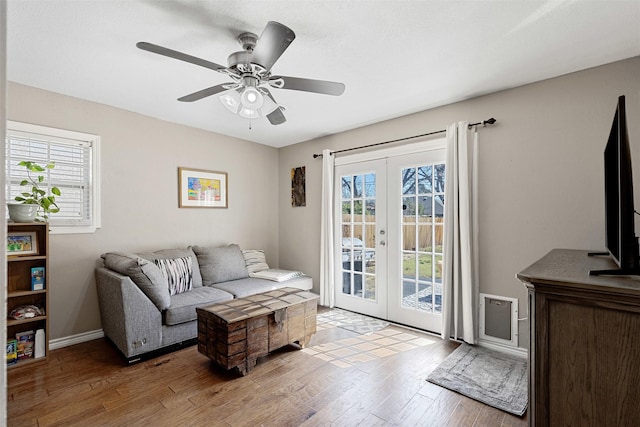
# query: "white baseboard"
{"points": [[514, 351], [75, 339]]}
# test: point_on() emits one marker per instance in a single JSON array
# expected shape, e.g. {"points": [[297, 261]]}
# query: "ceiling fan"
{"points": [[250, 71]]}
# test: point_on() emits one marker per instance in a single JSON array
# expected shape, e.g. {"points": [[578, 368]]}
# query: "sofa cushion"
{"points": [[254, 260], [179, 273], [145, 274], [177, 253], [251, 286], [220, 264], [183, 306]]}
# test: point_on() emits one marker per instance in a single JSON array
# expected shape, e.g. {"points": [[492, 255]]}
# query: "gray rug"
{"points": [[493, 378], [350, 321]]}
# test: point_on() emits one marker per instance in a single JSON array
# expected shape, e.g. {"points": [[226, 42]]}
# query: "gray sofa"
{"points": [[148, 301]]}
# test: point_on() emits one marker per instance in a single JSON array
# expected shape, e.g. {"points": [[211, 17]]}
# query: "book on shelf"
{"points": [[37, 278], [12, 352], [25, 342]]}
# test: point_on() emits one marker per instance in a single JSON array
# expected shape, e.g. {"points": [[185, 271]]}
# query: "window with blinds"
{"points": [[75, 172]]}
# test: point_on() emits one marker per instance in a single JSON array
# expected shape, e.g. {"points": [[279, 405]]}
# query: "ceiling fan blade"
{"points": [[154, 48], [276, 117], [204, 93], [273, 41], [307, 85]]}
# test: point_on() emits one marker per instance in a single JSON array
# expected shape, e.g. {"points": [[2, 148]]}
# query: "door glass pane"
{"points": [[357, 186], [370, 210], [425, 208], [346, 187], [408, 293], [438, 178], [425, 178], [437, 297], [370, 288], [408, 237], [408, 266], [425, 265], [409, 206], [425, 296], [357, 208], [357, 285], [425, 238], [370, 185], [409, 181], [438, 237]]}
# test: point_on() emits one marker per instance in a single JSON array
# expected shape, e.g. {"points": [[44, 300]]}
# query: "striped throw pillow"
{"points": [[255, 260], [178, 272]]}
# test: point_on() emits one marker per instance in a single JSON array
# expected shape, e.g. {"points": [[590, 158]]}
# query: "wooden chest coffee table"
{"points": [[235, 333]]}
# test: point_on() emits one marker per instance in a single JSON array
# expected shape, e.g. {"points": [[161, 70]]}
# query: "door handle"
{"points": [[382, 243]]}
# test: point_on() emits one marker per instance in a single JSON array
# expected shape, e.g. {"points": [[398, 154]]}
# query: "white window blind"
{"points": [[75, 172]]}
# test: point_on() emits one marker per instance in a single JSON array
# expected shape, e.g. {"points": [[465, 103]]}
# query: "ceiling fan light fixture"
{"points": [[268, 107], [231, 101], [248, 113], [251, 98]]}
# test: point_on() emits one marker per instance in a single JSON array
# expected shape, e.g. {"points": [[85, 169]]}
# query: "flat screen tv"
{"points": [[621, 240]]}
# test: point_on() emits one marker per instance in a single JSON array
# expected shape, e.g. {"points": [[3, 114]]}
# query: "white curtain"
{"points": [[327, 260], [460, 275]]}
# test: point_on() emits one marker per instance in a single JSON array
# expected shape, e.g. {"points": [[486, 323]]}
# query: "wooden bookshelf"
{"points": [[19, 290]]}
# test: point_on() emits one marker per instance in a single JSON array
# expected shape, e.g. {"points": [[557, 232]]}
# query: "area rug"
{"points": [[350, 321], [493, 378]]}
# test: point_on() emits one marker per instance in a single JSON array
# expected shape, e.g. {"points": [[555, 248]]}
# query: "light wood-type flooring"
{"points": [[340, 379]]}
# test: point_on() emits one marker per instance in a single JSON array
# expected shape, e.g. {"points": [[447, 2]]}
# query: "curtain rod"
{"points": [[483, 123]]}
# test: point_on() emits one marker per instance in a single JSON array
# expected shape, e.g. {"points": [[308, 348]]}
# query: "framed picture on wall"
{"points": [[24, 243], [199, 188]]}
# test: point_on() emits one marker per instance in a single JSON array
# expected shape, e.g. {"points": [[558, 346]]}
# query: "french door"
{"points": [[360, 237], [389, 237]]}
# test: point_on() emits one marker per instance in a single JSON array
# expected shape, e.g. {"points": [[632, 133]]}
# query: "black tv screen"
{"points": [[621, 241]]}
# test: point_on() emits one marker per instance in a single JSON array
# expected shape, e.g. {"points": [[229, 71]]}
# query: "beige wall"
{"points": [[540, 171], [140, 157]]}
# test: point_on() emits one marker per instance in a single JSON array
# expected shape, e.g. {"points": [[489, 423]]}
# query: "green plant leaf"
{"points": [[51, 165], [40, 178], [19, 199], [56, 191], [24, 182]]}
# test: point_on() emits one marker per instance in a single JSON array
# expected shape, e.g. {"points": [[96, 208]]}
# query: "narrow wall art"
{"points": [[298, 190]]}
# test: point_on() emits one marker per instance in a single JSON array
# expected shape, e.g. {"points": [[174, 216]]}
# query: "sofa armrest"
{"points": [[129, 318]]}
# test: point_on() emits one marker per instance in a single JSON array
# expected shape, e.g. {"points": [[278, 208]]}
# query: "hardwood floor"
{"points": [[340, 379]]}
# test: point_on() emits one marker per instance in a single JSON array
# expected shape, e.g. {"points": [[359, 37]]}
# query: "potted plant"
{"points": [[36, 200]]}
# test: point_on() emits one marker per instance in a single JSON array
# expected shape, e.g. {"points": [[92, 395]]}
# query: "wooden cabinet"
{"points": [[584, 349], [19, 283]]}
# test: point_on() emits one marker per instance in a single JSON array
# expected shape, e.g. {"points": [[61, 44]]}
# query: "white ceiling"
{"points": [[395, 57]]}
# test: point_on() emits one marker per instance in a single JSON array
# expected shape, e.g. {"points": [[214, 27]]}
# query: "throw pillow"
{"points": [[146, 275], [178, 272], [220, 264], [254, 260], [177, 253]]}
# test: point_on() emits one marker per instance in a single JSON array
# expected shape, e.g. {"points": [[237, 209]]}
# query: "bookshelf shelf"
{"points": [[24, 293], [13, 322]]}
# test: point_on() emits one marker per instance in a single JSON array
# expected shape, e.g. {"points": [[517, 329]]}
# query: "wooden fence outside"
{"points": [[365, 229]]}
